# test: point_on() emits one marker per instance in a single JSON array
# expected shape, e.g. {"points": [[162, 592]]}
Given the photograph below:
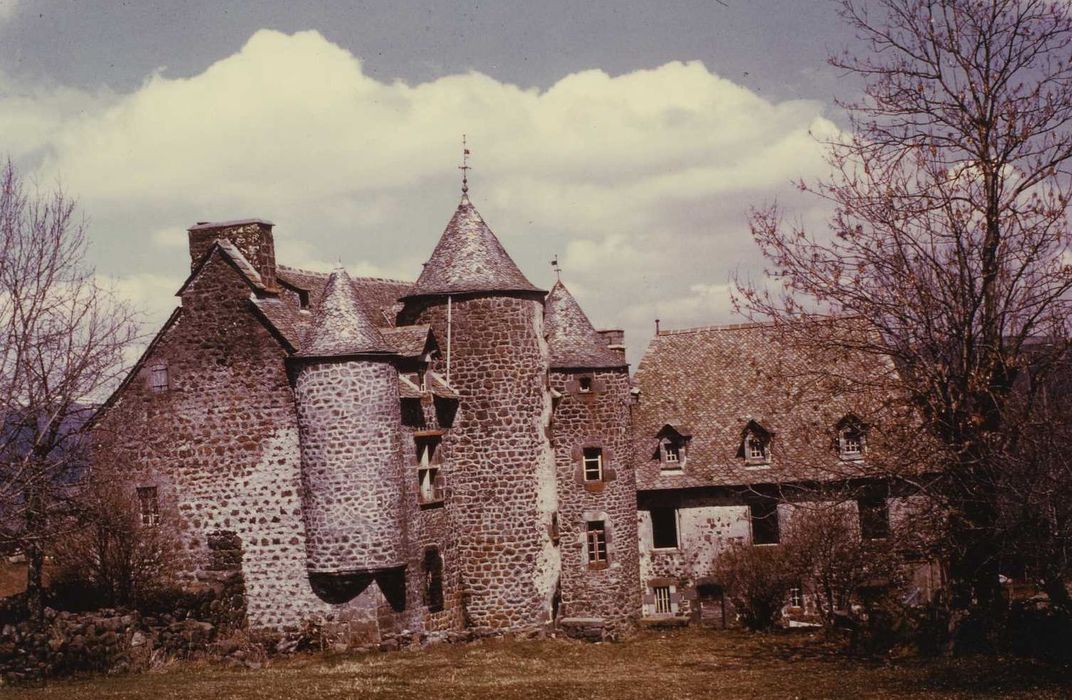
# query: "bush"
{"points": [[757, 580]]}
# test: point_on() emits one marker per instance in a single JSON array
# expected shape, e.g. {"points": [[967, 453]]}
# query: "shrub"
{"points": [[757, 580]]}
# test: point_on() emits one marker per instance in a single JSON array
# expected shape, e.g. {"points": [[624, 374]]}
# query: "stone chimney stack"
{"points": [[615, 338], [253, 237]]}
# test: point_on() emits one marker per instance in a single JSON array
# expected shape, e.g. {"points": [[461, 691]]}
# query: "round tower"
{"points": [[500, 483], [346, 390]]}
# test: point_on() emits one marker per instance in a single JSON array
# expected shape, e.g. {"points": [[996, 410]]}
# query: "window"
{"points": [[663, 602], [796, 597], [755, 444], [673, 454], [597, 544], [851, 438], [584, 385], [158, 378], [593, 464], [664, 528], [764, 516], [433, 579], [148, 505], [428, 474], [874, 518]]}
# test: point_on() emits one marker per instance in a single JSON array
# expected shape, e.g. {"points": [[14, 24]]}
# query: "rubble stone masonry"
{"points": [[500, 479], [348, 413]]}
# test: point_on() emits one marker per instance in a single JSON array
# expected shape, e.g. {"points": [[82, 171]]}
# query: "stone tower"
{"points": [[500, 483], [346, 391], [596, 476]]}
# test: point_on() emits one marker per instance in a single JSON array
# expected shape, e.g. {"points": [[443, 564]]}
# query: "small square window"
{"points": [[158, 378], [584, 385], [596, 533], [148, 505], [593, 464], [756, 448]]}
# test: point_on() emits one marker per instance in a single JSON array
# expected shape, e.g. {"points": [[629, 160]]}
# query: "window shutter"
{"points": [[578, 472], [573, 386], [599, 386], [577, 453], [610, 473], [648, 599]]}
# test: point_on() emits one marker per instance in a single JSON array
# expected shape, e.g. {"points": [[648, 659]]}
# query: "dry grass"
{"points": [[12, 578], [680, 665]]}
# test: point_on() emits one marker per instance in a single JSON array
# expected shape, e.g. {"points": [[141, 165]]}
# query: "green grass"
{"points": [[680, 665]]}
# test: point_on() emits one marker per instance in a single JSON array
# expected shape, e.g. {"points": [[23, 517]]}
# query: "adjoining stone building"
{"points": [[462, 452]]}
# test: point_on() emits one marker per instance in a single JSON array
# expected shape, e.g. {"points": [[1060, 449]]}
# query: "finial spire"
{"points": [[555, 266], [464, 167]]}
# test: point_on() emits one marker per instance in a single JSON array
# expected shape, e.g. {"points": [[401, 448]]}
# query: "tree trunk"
{"points": [[35, 588]]}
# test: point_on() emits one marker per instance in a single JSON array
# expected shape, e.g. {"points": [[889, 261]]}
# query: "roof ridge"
{"points": [[315, 273], [723, 327]]}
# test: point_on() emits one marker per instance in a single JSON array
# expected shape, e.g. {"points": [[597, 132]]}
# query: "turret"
{"points": [[500, 482], [346, 390], [596, 477]]}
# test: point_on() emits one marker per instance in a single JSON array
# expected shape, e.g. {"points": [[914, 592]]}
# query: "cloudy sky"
{"points": [[627, 138]]}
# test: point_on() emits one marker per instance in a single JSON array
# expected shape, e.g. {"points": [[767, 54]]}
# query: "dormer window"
{"points": [[673, 447], [755, 444], [851, 438]]}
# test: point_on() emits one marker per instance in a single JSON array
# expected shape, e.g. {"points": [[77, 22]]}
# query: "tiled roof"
{"points": [[469, 258], [571, 338], [408, 341], [716, 380], [342, 325], [380, 295]]}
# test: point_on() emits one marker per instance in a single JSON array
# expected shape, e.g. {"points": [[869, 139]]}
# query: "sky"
{"points": [[629, 139]]}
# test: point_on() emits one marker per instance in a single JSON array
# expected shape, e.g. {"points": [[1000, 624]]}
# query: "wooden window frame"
{"points": [[596, 544], [156, 370], [148, 505], [592, 464]]}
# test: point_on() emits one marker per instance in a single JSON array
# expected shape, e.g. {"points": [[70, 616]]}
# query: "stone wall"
{"points": [[348, 413], [501, 485], [597, 418], [221, 446]]}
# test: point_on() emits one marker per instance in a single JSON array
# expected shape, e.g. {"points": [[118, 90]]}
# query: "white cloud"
{"points": [[642, 181], [7, 9]]}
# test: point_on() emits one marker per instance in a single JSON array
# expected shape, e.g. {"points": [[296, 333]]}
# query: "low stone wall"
{"points": [[206, 618]]}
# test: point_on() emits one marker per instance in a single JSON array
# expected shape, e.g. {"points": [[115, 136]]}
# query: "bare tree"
{"points": [[948, 243], [62, 337]]}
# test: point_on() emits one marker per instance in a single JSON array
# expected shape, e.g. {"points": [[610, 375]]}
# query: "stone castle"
{"points": [[458, 453]]}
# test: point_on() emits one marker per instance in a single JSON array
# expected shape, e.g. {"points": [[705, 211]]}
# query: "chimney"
{"points": [[253, 237], [615, 339]]}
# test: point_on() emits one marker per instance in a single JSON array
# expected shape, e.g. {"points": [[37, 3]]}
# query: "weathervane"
{"points": [[556, 268], [464, 167]]}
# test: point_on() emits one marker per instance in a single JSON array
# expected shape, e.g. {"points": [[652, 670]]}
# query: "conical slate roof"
{"points": [[469, 258], [571, 338], [342, 325]]}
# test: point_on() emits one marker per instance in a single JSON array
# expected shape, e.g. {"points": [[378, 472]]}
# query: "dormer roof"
{"points": [[469, 258], [342, 325], [571, 338]]}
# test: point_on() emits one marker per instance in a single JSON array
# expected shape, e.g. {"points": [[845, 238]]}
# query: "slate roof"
{"points": [[572, 340], [716, 380], [408, 341], [469, 258], [342, 325], [379, 295]]}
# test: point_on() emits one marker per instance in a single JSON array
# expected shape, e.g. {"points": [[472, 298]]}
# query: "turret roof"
{"points": [[342, 325], [469, 258], [571, 338]]}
